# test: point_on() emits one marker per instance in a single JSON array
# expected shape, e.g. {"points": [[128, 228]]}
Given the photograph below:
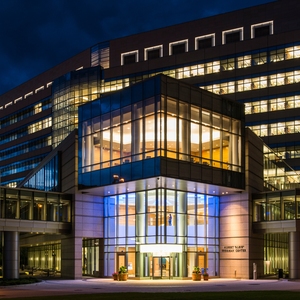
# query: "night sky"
{"points": [[38, 34]]}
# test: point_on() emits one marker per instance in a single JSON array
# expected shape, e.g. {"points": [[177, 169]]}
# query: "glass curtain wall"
{"points": [[41, 259], [276, 206], [47, 178], [90, 257], [32, 205], [138, 224], [276, 253], [161, 127], [70, 91]]}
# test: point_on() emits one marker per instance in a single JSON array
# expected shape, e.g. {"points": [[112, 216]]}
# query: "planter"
{"points": [[115, 277], [205, 277], [196, 276], [123, 277]]}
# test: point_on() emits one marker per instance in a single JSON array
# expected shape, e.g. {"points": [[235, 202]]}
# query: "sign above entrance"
{"points": [[161, 249]]}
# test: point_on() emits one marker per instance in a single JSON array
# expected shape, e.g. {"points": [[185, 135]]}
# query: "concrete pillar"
{"points": [[101, 258], [294, 251], [71, 258], [11, 255]]}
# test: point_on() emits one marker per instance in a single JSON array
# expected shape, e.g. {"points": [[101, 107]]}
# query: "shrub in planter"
{"points": [[123, 275], [196, 275]]}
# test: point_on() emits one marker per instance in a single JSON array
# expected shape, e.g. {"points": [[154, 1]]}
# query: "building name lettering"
{"points": [[234, 249]]}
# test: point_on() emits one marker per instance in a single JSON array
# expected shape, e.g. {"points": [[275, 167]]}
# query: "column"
{"points": [[71, 258], [11, 255], [137, 138], [294, 250], [184, 138]]}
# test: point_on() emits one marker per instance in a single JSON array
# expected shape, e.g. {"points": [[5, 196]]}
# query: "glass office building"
{"points": [[162, 170], [165, 223]]}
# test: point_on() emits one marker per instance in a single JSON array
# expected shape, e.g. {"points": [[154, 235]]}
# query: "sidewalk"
{"points": [[55, 287]]}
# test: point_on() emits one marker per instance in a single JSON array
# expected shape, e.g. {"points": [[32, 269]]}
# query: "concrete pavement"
{"points": [[55, 287]]}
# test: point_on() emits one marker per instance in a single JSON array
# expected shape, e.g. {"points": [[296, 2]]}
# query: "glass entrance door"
{"points": [[121, 260], [161, 267], [201, 261]]}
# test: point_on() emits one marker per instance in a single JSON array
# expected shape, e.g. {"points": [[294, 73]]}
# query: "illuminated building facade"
{"points": [[161, 119], [161, 140]]}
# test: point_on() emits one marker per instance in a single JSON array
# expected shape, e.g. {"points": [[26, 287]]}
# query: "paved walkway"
{"points": [[55, 287]]}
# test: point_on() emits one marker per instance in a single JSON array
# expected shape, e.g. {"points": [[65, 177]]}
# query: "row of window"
{"points": [[47, 178], [148, 212], [40, 125], [185, 133], [243, 85], [254, 83], [201, 42], [41, 88], [25, 147], [276, 208], [27, 112], [243, 60], [276, 128], [288, 152], [161, 219], [26, 95], [25, 205], [154, 201], [272, 104], [21, 166]]}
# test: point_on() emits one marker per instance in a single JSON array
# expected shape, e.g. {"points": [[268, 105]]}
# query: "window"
{"points": [[259, 58], [178, 47], [227, 64], [153, 52], [129, 57], [100, 55], [244, 61], [18, 99], [205, 41], [261, 29], [28, 94], [233, 35], [277, 55], [39, 89]]}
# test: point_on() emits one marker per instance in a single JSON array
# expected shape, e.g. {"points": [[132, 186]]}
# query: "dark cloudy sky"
{"points": [[38, 34]]}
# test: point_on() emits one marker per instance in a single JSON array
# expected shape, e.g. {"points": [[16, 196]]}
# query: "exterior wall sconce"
{"points": [[117, 179]]}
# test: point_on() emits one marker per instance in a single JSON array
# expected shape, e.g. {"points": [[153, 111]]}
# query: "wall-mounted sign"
{"points": [[231, 249]]}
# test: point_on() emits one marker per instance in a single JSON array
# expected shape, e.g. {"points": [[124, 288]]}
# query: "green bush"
{"points": [[5, 282]]}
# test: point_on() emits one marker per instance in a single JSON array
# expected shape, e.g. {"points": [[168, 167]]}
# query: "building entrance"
{"points": [[121, 260], [201, 261], [161, 267]]}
